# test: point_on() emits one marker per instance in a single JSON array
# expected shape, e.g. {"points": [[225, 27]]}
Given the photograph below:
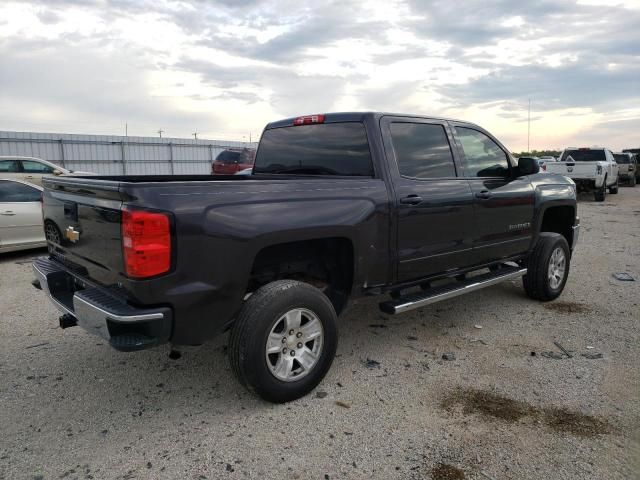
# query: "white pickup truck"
{"points": [[592, 169]]}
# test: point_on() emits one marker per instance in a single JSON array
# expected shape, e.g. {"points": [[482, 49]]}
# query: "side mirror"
{"points": [[57, 172], [528, 166]]}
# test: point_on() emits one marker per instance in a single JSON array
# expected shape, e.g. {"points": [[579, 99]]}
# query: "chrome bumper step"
{"points": [[444, 292]]}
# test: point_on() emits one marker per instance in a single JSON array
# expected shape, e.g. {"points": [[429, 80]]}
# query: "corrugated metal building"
{"points": [[116, 155]]}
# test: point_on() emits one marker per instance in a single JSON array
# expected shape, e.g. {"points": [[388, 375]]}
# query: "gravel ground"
{"points": [[504, 408]]}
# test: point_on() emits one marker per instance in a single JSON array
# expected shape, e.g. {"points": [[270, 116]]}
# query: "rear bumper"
{"points": [[101, 311]]}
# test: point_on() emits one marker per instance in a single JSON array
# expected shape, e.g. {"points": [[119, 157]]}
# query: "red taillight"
{"points": [[309, 119], [146, 243], [544, 167]]}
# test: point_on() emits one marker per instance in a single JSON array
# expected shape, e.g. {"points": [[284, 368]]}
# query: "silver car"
{"points": [[21, 216], [31, 169]]}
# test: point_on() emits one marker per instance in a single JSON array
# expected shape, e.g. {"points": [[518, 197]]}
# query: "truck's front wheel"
{"points": [[284, 340], [547, 267]]}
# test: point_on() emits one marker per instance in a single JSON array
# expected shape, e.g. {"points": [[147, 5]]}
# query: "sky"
{"points": [[225, 68]]}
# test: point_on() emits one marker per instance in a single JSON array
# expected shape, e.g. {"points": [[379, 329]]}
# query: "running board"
{"points": [[437, 294]]}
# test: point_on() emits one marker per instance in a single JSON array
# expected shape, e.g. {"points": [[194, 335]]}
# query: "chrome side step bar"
{"points": [[437, 294]]}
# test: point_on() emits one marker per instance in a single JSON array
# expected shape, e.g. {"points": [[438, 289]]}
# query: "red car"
{"points": [[232, 160]]}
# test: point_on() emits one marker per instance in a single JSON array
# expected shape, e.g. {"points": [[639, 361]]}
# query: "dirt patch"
{"points": [[492, 405], [443, 471], [567, 307], [576, 423], [487, 404]]}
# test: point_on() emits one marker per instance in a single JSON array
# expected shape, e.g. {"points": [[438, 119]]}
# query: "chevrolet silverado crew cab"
{"points": [[339, 206], [592, 169]]}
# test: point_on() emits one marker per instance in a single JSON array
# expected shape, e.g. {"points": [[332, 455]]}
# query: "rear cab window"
{"points": [[583, 155], [621, 158], [340, 149]]}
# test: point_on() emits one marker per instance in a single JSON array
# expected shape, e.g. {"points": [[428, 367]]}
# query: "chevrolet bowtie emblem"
{"points": [[72, 234]]}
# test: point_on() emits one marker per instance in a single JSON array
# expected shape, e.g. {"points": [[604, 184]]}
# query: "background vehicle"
{"points": [[592, 169], [31, 169], [338, 206], [548, 158], [20, 216], [627, 167], [233, 160]]}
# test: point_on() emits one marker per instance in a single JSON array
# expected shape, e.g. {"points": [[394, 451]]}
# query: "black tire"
{"points": [[614, 189], [536, 282], [632, 181], [600, 193], [250, 332]]}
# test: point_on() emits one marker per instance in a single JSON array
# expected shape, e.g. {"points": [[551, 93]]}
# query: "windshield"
{"points": [[321, 149], [621, 158], [583, 156]]}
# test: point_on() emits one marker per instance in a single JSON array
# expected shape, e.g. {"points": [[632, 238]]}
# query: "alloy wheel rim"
{"points": [[294, 345], [52, 233], [557, 268]]}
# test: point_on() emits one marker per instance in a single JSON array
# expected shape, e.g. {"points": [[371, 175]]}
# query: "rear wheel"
{"points": [[600, 193], [614, 188], [284, 340], [632, 181], [547, 267]]}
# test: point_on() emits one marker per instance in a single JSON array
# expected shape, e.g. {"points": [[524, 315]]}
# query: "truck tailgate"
{"points": [[87, 215], [573, 169]]}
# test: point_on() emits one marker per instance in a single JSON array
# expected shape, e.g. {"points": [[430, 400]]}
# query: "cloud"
{"points": [[234, 65], [573, 85]]}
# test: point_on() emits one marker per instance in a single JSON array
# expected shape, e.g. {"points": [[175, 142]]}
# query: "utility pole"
{"points": [[195, 135], [161, 131], [126, 129], [529, 127], [249, 137]]}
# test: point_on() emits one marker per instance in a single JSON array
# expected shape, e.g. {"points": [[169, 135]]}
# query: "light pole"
{"points": [[529, 127]]}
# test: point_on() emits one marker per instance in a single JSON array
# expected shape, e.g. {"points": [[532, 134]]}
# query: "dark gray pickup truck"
{"points": [[339, 206]]}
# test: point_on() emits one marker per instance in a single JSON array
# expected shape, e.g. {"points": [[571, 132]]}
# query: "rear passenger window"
{"points": [[422, 150], [482, 156], [8, 166]]}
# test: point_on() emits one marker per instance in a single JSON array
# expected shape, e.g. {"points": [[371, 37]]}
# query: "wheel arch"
{"points": [[327, 263]]}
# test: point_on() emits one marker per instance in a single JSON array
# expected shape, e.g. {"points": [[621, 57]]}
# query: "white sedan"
{"points": [[31, 169], [21, 216]]}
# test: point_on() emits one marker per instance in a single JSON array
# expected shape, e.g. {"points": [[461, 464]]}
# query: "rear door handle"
{"points": [[411, 200], [484, 194], [7, 212]]}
